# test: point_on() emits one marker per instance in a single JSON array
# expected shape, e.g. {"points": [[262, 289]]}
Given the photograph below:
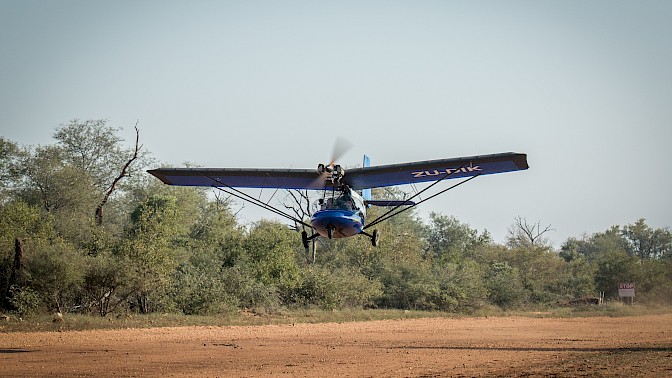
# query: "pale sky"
{"points": [[583, 87]]}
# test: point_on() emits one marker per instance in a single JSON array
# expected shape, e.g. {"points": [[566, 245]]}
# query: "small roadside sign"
{"points": [[626, 290]]}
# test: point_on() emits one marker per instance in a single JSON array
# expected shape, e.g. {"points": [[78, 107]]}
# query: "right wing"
{"points": [[433, 170]]}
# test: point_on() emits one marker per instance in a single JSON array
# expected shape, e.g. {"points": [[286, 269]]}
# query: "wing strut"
{"points": [[248, 198], [391, 213]]}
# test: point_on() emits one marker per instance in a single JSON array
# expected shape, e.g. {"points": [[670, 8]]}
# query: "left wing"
{"points": [[241, 178], [433, 170]]}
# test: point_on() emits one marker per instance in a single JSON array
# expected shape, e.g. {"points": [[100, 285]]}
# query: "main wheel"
{"points": [[330, 232], [375, 238], [304, 239]]}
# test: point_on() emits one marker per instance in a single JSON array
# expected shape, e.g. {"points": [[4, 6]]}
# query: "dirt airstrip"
{"points": [[466, 347]]}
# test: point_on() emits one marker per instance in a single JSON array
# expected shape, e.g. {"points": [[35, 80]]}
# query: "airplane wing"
{"points": [[433, 170], [241, 178], [356, 178]]}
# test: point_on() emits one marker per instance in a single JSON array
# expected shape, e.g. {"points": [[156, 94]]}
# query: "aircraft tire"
{"points": [[375, 238], [304, 239]]}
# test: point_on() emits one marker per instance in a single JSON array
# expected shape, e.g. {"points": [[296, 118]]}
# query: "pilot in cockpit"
{"points": [[344, 202]]}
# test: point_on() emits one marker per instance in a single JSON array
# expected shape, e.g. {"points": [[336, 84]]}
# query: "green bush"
{"points": [[24, 300], [505, 288]]}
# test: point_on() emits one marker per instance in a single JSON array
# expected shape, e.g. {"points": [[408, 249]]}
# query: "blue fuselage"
{"points": [[339, 216]]}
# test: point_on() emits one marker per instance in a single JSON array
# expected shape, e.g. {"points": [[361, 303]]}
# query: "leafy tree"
{"points": [[23, 299], [56, 273], [461, 286], [654, 285], [451, 240], [593, 247], [572, 249], [214, 224], [79, 173], [20, 220], [354, 289], [409, 286], [541, 273], [152, 258], [198, 287], [106, 281], [10, 157], [215, 229], [319, 287], [628, 254], [340, 288], [39, 184], [576, 279], [241, 284], [19, 223], [94, 147], [646, 242], [505, 288], [614, 267], [271, 250], [61, 190]]}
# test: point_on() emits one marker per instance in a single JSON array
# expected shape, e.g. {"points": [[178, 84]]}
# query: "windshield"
{"points": [[341, 202]]}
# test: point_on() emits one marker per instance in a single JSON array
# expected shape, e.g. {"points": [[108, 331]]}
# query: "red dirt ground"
{"points": [[467, 347]]}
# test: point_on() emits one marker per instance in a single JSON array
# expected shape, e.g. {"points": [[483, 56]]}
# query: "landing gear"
{"points": [[304, 239], [375, 237], [330, 232]]}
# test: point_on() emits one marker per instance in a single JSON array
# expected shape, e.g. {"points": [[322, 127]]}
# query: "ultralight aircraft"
{"points": [[341, 210]]}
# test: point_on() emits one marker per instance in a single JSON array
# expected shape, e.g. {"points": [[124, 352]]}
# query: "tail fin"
{"points": [[366, 193]]}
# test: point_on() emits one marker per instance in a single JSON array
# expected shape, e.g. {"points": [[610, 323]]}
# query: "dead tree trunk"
{"points": [[18, 269], [17, 276], [122, 174]]}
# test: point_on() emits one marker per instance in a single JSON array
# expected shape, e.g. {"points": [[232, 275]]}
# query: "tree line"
{"points": [[84, 229]]}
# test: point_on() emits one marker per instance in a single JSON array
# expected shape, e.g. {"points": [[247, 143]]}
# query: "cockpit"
{"points": [[344, 201]]}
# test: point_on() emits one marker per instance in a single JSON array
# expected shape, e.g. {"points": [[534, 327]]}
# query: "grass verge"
{"points": [[78, 322]]}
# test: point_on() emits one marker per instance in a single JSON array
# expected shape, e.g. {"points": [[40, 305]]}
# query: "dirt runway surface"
{"points": [[466, 347]]}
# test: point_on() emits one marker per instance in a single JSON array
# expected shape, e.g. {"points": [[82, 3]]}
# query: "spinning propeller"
{"points": [[332, 171]]}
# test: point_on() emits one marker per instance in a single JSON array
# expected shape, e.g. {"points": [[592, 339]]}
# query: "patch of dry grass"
{"points": [[76, 322]]}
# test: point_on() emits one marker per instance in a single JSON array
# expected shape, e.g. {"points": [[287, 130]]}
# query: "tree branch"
{"points": [[122, 174]]}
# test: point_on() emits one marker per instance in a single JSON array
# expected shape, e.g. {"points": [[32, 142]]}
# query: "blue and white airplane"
{"points": [[341, 211]]}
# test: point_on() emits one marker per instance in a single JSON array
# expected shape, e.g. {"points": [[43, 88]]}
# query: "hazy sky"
{"points": [[583, 87]]}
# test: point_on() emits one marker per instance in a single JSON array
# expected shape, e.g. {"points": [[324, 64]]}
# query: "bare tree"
{"points": [[525, 234], [299, 205], [122, 174]]}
